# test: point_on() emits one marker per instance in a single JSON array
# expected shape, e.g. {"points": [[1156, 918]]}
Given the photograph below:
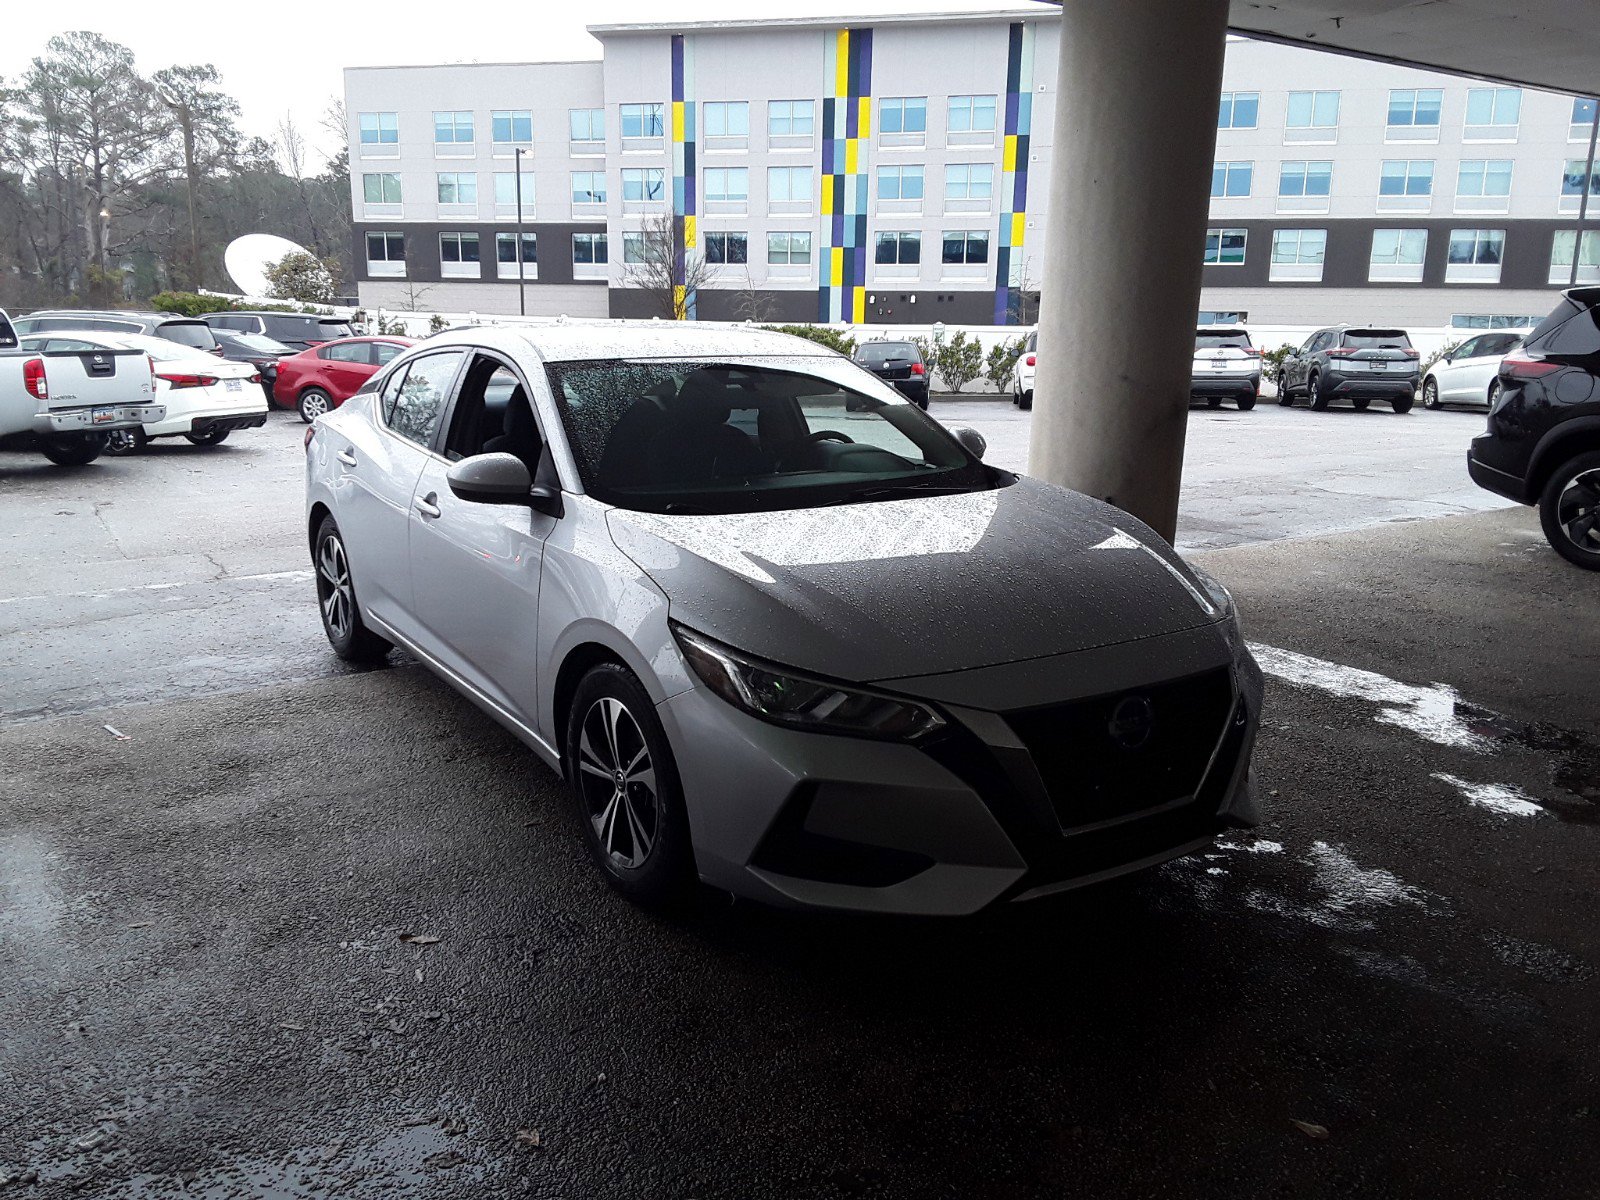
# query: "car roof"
{"points": [[650, 339], [267, 312], [118, 314]]}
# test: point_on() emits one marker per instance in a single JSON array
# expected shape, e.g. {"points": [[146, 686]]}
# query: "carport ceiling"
{"points": [[1551, 44]]}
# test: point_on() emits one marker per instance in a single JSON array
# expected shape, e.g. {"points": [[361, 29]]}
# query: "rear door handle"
{"points": [[426, 505], [347, 458]]}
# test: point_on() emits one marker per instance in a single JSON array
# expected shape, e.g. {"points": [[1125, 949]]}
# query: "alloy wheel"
{"points": [[333, 587], [1578, 511], [1494, 392], [313, 405], [617, 779], [1430, 394]]}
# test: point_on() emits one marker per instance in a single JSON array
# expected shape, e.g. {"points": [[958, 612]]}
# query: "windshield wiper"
{"points": [[909, 488]]}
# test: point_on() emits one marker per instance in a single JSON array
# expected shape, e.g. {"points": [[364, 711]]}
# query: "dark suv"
{"points": [[1543, 442], [300, 331], [900, 363], [1359, 363]]}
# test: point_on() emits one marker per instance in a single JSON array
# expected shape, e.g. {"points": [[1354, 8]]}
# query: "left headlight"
{"points": [[786, 697]]}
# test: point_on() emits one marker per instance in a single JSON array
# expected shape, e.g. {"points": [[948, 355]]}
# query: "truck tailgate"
{"points": [[90, 378]]}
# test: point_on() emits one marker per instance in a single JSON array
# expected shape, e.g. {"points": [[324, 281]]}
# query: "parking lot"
{"points": [[276, 927]]}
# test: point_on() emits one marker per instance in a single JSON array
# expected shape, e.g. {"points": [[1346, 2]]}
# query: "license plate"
{"points": [[1219, 363], [1379, 366], [104, 416], [235, 385]]}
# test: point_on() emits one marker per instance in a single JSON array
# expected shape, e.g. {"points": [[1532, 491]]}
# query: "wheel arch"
{"points": [[319, 513], [578, 662], [1565, 441]]}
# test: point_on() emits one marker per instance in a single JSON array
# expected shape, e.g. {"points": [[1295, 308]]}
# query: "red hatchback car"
{"points": [[320, 379]]}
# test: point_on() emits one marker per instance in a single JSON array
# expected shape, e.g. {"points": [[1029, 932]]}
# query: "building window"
{"points": [[1475, 255], [728, 185], [386, 255], [726, 118], [1299, 177], [1298, 254], [452, 129], [965, 246], [643, 185], [1406, 177], [970, 120], [904, 117], [505, 190], [1397, 255], [727, 248], [586, 124], [1494, 320], [1225, 247], [458, 255], [1572, 178], [789, 185], [1492, 113], [1561, 250], [1484, 177], [458, 187], [900, 183], [1415, 111], [633, 248], [381, 189], [969, 181], [588, 187], [641, 122], [902, 249], [511, 126], [1239, 110], [589, 248], [1312, 116], [789, 249], [790, 118], [1231, 178], [505, 245], [379, 129], [1583, 114]]}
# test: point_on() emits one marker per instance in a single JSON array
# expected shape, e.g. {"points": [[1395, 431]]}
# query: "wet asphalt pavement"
{"points": [[221, 978]]}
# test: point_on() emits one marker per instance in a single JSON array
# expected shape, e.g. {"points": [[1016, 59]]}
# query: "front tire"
{"points": [[1569, 510], [336, 597], [1494, 393], [313, 403], [208, 437], [72, 449], [1430, 394], [625, 785]]}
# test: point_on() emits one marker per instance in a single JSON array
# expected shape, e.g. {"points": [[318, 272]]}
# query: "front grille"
{"points": [[1099, 759]]}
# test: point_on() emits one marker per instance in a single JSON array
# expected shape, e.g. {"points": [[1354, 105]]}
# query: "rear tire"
{"points": [[624, 783], [1027, 400], [336, 598], [1402, 404], [1213, 401], [1246, 401], [1319, 398], [209, 437], [1361, 403], [72, 449], [1569, 510], [313, 403], [1494, 393], [1430, 393]]}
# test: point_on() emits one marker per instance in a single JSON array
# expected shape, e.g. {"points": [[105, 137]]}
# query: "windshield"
{"points": [[875, 354], [751, 434], [1215, 341], [1377, 339], [161, 349], [257, 341]]}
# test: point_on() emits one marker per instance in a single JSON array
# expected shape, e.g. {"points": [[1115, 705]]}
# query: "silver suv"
{"points": [[1225, 365], [186, 331], [1359, 363]]}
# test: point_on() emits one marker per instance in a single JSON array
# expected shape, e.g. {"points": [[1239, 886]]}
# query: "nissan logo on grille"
{"points": [[1132, 721]]}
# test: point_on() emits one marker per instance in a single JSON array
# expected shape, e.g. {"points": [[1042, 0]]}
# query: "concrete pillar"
{"points": [[1136, 131]]}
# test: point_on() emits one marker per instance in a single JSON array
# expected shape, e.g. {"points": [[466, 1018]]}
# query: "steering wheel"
{"points": [[831, 435]]}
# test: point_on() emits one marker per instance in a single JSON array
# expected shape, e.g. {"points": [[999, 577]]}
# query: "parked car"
{"points": [[669, 561], [1543, 442], [1226, 364], [63, 403], [320, 379], [8, 335], [261, 352], [186, 331], [1359, 363], [300, 331], [899, 362], [1022, 380], [1470, 374], [204, 399]]}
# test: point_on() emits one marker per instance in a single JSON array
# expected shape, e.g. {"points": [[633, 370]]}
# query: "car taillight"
{"points": [[152, 363], [255, 378], [1343, 352], [187, 381], [1033, 360], [217, 350], [1411, 353], [1520, 366], [33, 379], [1251, 352], [918, 369]]}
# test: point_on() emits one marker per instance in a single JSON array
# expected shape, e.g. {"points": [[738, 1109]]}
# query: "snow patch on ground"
{"points": [[1349, 886], [1496, 797]]}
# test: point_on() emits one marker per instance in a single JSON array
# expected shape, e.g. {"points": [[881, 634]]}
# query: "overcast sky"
{"points": [[288, 60]]}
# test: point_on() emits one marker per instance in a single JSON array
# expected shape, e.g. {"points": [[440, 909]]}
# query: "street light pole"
{"points": [[522, 282]]}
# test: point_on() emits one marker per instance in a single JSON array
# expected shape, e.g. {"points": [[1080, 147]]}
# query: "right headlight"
{"points": [[787, 697]]}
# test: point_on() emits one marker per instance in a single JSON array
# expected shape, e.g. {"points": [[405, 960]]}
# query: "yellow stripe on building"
{"points": [[680, 302], [677, 120], [827, 195], [864, 120], [858, 305], [688, 232], [841, 66], [1019, 228], [1008, 159], [850, 156], [836, 270]]}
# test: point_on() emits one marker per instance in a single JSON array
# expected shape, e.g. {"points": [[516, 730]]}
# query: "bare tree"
{"points": [[751, 303], [1023, 308], [665, 269], [205, 117], [292, 155]]}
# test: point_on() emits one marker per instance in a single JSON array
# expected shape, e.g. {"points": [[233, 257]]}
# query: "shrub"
{"points": [[303, 277], [189, 304], [1272, 362], [1000, 364], [833, 339], [437, 324], [1428, 363], [960, 360]]}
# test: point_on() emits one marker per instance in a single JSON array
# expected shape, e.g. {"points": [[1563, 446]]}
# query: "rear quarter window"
{"points": [[1579, 334]]}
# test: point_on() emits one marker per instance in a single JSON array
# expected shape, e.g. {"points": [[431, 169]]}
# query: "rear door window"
{"points": [[351, 352]]}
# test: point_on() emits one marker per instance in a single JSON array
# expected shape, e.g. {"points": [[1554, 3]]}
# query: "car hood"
{"points": [[918, 586]]}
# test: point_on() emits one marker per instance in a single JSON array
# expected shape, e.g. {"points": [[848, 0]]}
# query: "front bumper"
{"points": [[971, 817], [97, 419]]}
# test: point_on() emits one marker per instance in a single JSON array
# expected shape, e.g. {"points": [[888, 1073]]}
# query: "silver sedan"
{"points": [[779, 630]]}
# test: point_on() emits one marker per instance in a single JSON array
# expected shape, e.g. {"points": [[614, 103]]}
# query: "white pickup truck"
{"points": [[63, 403]]}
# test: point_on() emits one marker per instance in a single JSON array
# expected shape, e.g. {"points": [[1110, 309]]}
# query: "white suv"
{"points": [[1225, 364], [1022, 377]]}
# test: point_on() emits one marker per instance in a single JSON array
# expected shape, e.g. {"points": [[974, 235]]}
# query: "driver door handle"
{"points": [[347, 458], [427, 506]]}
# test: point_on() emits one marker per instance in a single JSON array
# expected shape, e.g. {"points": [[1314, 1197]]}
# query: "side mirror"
{"points": [[491, 479], [971, 439]]}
